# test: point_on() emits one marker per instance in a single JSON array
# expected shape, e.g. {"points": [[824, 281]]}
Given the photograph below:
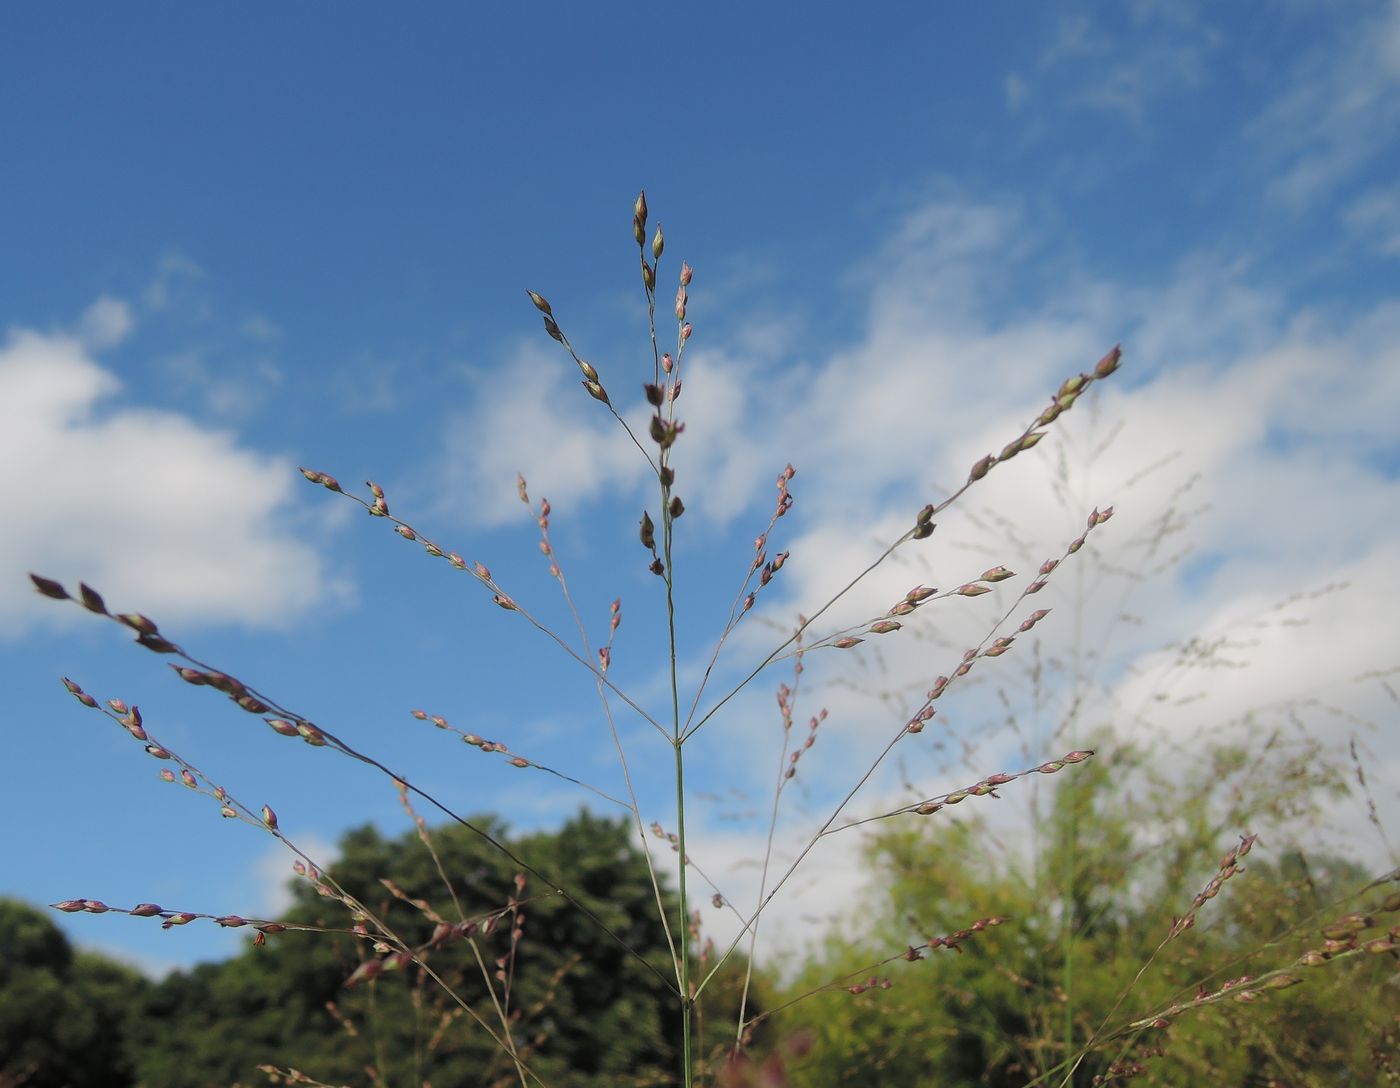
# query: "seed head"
{"points": [[1071, 386], [92, 600], [1109, 363], [49, 588], [138, 623]]}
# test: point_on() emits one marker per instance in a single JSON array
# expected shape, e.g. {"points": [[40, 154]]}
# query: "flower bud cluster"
{"points": [[129, 718], [671, 837], [952, 940], [169, 918], [147, 634], [923, 523], [475, 741], [784, 497], [1229, 867], [379, 507], [988, 786], [766, 567], [1348, 934], [591, 384], [810, 740], [1127, 1068], [1063, 400], [328, 482]]}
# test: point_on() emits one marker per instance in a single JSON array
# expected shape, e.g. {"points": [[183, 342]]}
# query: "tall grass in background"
{"points": [[1053, 913]]}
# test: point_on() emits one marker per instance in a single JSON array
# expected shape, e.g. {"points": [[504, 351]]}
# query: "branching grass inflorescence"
{"points": [[694, 964]]}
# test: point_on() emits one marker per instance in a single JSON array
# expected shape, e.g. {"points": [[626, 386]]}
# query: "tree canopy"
{"points": [[64, 1014], [585, 1006], [1285, 974]]}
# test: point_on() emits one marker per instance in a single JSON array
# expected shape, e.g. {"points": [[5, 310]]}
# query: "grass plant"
{"points": [[754, 1047]]}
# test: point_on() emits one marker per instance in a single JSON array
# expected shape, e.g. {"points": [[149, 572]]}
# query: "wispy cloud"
{"points": [[1374, 219], [529, 416], [1344, 99], [105, 323], [150, 506], [173, 276], [225, 389], [1087, 65]]}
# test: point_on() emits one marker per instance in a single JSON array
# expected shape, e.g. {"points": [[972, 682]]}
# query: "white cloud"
{"points": [[259, 327], [160, 514], [172, 276], [153, 967], [1374, 217], [229, 390], [1254, 444], [105, 323], [1094, 69], [821, 893], [1343, 95], [532, 417], [1014, 89], [272, 877]]}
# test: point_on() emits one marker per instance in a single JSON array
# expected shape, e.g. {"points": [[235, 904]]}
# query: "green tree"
{"points": [[1089, 899], [584, 1009], [63, 1014]]}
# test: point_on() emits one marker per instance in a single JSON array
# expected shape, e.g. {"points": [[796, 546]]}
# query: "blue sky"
{"points": [[241, 242]]}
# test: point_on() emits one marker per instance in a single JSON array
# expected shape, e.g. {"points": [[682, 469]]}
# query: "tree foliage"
{"points": [[1090, 894], [63, 1013], [584, 1010]]}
